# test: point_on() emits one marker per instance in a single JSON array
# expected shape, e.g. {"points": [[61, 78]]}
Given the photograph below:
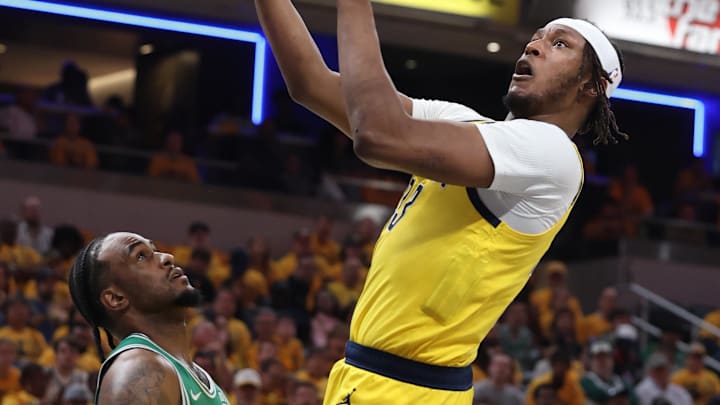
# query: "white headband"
{"points": [[605, 51]]}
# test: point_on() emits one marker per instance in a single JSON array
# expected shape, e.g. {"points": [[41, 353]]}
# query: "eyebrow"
{"points": [[539, 33], [138, 243], [563, 31]]}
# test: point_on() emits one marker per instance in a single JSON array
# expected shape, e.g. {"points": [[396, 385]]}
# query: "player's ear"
{"points": [[589, 89], [113, 299]]}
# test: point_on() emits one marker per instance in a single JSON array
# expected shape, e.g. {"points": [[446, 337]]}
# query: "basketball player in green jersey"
{"points": [[123, 285]]}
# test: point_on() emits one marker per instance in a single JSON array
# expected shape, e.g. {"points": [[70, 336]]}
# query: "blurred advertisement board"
{"points": [[505, 11], [692, 25]]}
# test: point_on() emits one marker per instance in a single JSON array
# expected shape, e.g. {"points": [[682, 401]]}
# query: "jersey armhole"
{"points": [[481, 208]]}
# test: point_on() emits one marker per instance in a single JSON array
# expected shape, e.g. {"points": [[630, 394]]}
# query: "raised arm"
{"points": [[383, 132], [142, 378], [309, 80]]}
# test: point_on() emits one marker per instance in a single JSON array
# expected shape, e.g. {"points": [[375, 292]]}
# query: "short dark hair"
{"points": [[297, 385], [203, 255], [8, 232], [316, 351], [618, 313], [86, 279], [198, 226], [561, 355], [541, 387], [30, 372], [15, 300], [267, 363], [70, 341]]}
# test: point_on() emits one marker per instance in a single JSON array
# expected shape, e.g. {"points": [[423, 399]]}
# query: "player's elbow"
{"points": [[375, 141], [366, 144], [299, 92]]}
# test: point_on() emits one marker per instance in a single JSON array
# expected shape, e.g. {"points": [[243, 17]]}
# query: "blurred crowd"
{"points": [[273, 324], [60, 126]]}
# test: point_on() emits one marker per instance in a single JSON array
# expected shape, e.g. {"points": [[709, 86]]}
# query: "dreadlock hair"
{"points": [[601, 119], [85, 282]]}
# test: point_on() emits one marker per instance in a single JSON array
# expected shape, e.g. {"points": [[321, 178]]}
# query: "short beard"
{"points": [[533, 105], [189, 299], [522, 106]]}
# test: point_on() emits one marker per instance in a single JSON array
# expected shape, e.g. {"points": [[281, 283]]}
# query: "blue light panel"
{"points": [[672, 101], [167, 25]]}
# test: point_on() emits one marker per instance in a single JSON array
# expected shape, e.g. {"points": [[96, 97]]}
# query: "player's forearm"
{"points": [[309, 80], [300, 61], [374, 108]]}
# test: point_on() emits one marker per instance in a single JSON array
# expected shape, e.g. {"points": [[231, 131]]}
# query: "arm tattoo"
{"points": [[141, 386]]}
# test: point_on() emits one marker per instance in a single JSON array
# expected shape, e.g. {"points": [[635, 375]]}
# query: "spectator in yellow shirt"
{"points": [[222, 314], [17, 257], [321, 241], [325, 319], [633, 197], [266, 343], [72, 149], [701, 383], [274, 382], [543, 298], [693, 179], [336, 341], [367, 231], [295, 296], [199, 239], [545, 394], [569, 390], [9, 374], [290, 349], [598, 323], [80, 331], [300, 247], [30, 342], [172, 163], [5, 283], [562, 301], [259, 270], [348, 289], [711, 340], [316, 370], [304, 393], [33, 380], [352, 248]]}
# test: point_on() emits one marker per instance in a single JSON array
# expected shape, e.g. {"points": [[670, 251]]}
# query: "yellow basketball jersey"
{"points": [[443, 271]]}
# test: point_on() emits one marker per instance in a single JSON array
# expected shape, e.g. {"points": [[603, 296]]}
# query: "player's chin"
{"points": [[189, 297], [519, 90]]}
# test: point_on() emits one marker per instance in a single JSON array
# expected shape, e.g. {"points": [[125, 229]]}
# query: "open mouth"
{"points": [[523, 69], [176, 272]]}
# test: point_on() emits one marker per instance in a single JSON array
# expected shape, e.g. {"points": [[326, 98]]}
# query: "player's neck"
{"points": [[565, 121], [169, 331]]}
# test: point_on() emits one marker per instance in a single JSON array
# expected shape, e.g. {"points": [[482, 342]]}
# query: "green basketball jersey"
{"points": [[192, 390]]}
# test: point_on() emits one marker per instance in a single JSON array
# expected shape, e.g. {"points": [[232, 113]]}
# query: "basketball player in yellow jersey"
{"points": [[485, 201]]}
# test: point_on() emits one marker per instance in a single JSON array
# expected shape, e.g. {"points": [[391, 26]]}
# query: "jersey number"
{"points": [[407, 200]]}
